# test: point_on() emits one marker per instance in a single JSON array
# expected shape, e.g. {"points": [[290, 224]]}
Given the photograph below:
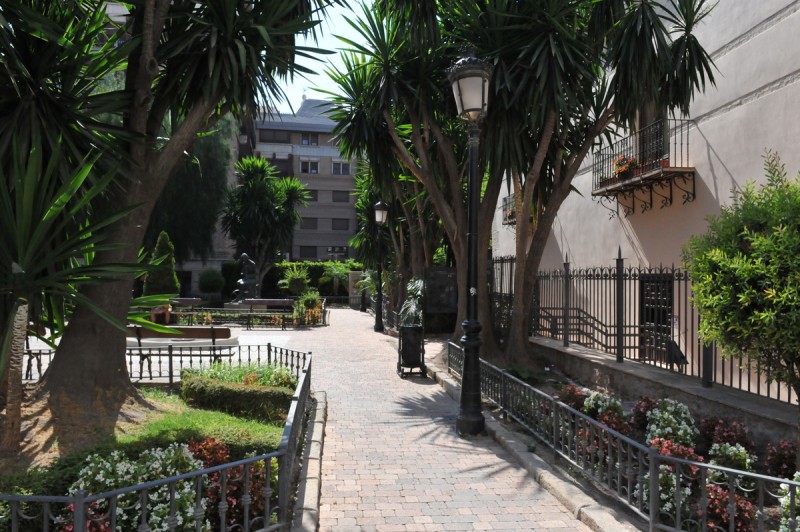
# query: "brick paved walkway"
{"points": [[391, 458]]}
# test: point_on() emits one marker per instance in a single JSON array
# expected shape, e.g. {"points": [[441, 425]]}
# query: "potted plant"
{"points": [[411, 349], [624, 165]]}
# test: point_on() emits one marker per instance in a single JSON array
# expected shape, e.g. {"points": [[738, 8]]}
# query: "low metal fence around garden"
{"points": [[265, 483], [637, 314], [164, 364], [670, 493]]}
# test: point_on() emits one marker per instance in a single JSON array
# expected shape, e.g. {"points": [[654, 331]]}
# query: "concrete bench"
{"points": [[186, 302], [181, 333]]}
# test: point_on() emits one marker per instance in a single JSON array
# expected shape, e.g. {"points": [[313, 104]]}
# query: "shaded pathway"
{"points": [[391, 458]]}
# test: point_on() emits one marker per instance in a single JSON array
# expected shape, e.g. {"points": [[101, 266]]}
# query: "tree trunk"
{"points": [[12, 422]]}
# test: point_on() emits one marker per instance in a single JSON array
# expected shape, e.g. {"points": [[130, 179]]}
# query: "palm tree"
{"points": [[46, 245], [566, 74], [260, 212], [186, 65], [392, 112]]}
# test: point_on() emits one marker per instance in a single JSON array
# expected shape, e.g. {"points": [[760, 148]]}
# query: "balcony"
{"points": [[650, 167]]}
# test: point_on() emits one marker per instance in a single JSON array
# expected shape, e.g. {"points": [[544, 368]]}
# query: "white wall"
{"points": [[755, 106]]}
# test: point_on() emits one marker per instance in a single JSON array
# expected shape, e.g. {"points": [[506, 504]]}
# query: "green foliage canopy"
{"points": [[746, 276], [261, 211]]}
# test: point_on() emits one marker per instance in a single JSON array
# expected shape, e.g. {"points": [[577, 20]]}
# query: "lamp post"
{"points": [[469, 77], [381, 213]]}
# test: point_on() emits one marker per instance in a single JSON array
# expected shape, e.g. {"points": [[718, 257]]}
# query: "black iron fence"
{"points": [[164, 364], [639, 314], [637, 475], [157, 500]]}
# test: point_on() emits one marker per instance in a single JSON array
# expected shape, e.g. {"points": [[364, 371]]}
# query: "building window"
{"points": [[313, 195], [309, 167], [310, 139], [308, 252], [277, 137], [341, 196], [341, 168], [340, 224], [308, 223]]}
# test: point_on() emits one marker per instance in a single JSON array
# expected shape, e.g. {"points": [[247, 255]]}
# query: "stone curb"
{"points": [[306, 508], [585, 508]]}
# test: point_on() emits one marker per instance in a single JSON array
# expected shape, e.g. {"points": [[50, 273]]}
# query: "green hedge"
{"points": [[264, 403], [269, 287]]}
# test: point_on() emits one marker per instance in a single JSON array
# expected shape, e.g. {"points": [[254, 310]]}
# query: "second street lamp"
{"points": [[469, 77], [381, 214]]}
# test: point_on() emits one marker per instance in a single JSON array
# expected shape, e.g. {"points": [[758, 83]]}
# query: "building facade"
{"points": [[302, 145], [642, 197], [754, 107]]}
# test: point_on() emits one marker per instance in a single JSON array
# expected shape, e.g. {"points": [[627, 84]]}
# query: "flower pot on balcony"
{"points": [[664, 163]]}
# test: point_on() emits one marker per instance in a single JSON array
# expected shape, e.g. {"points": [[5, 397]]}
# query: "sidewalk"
{"points": [[391, 459]]}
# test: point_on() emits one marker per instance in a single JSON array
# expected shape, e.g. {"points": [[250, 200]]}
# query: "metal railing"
{"points": [[164, 364], [83, 511], [639, 314], [665, 143], [637, 475]]}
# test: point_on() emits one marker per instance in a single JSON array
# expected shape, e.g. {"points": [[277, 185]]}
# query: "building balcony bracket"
{"points": [[610, 204], [685, 183], [646, 189]]}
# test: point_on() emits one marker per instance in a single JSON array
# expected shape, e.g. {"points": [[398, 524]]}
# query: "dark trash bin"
{"points": [[411, 349]]}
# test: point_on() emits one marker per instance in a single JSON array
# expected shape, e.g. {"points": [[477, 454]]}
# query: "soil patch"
{"points": [[44, 440]]}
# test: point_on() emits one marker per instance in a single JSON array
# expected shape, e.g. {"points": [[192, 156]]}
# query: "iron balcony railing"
{"points": [[84, 512], [636, 475], [639, 314], [663, 144]]}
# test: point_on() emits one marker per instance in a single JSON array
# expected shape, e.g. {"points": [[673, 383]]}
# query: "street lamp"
{"points": [[469, 77], [381, 213]]}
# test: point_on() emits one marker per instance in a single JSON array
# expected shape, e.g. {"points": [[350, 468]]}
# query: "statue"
{"points": [[248, 287]]}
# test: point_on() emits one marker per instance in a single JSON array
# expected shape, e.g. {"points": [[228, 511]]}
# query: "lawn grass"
{"points": [[174, 421]]}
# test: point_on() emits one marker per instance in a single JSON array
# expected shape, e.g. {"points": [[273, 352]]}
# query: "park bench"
{"points": [[195, 332]]}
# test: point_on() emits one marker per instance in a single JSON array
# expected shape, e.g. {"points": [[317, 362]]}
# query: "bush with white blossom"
{"points": [[114, 471], [672, 421]]}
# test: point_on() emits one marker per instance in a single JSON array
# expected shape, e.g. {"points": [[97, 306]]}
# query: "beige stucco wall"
{"points": [[755, 106]]}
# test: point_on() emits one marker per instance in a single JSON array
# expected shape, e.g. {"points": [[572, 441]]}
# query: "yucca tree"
{"points": [[566, 74], [260, 212], [185, 65], [395, 110], [48, 237]]}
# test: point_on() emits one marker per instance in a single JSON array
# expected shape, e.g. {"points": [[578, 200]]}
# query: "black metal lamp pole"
{"points": [[469, 77], [381, 213]]}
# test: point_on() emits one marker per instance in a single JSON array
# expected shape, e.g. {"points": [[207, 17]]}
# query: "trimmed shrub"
{"points": [[264, 403], [211, 281]]}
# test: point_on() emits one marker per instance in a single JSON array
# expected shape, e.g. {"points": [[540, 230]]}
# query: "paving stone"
{"points": [[391, 457]]}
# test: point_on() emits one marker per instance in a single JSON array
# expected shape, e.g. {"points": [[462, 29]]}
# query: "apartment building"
{"points": [[302, 145]]}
